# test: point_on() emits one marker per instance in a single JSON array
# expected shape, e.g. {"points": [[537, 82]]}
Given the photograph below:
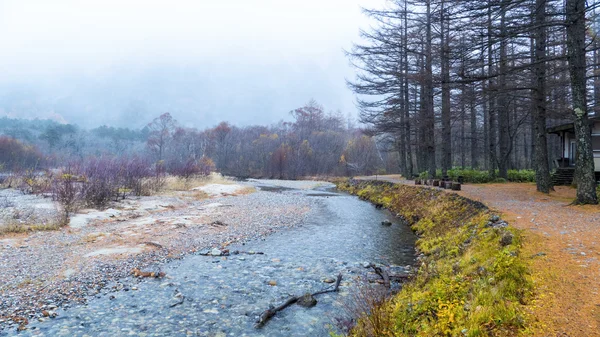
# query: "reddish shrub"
{"points": [[14, 155]]}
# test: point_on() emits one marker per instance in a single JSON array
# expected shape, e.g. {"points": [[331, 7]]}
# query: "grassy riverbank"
{"points": [[472, 279]]}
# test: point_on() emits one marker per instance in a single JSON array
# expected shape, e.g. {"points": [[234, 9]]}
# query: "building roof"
{"points": [[568, 126]]}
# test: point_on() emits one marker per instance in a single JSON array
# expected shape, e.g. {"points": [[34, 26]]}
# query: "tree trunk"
{"points": [[429, 129], [445, 62], [473, 122], [542, 170], [503, 112], [409, 164], [486, 115], [596, 65], [584, 161], [491, 101], [463, 114]]}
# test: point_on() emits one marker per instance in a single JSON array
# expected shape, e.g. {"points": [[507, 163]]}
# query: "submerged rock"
{"points": [[386, 223], [307, 301]]}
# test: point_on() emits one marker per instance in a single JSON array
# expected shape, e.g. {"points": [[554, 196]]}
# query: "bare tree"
{"points": [[160, 133]]}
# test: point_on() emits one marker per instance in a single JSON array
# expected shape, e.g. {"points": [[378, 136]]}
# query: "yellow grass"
{"points": [[173, 183]]}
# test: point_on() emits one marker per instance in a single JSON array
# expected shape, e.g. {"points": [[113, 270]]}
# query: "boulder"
{"points": [[307, 301], [507, 239]]}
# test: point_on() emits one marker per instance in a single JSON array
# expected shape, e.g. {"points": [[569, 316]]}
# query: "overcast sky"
{"points": [[246, 61]]}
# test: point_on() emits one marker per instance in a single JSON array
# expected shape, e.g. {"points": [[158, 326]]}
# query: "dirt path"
{"points": [[564, 244]]}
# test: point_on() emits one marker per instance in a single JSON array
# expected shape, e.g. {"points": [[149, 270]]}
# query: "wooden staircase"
{"points": [[563, 176]]}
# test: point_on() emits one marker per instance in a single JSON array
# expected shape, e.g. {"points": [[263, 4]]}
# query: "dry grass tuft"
{"points": [[25, 221], [174, 183]]}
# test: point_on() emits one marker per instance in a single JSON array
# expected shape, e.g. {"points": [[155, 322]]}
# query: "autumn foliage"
{"points": [[15, 154]]}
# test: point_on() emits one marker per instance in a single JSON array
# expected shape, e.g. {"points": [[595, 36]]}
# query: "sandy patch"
{"points": [[114, 251], [295, 184], [216, 190], [8, 243], [83, 219]]}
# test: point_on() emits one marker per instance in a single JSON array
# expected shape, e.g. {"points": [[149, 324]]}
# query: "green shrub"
{"points": [[521, 176], [481, 177]]}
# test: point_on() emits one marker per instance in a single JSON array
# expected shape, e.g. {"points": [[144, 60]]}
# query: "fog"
{"points": [[122, 63]]}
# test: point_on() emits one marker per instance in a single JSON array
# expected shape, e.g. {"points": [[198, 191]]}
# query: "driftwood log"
{"points": [[387, 278], [181, 298], [272, 311], [383, 274], [226, 252]]}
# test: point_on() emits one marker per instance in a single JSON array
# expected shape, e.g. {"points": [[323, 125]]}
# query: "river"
{"points": [[222, 296]]}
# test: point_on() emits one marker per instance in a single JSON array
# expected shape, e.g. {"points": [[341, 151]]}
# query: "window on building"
{"points": [[596, 143]]}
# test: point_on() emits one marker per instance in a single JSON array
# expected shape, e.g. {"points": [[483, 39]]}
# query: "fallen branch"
{"points": [[154, 274], [272, 311], [226, 252], [218, 224], [181, 299], [153, 244], [383, 274]]}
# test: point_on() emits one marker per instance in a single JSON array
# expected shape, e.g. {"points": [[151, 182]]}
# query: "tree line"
{"points": [[313, 143], [476, 84]]}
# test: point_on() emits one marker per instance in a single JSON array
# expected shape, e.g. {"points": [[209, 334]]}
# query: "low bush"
{"points": [[33, 181], [482, 177], [102, 180], [67, 189], [192, 167], [97, 181], [472, 280]]}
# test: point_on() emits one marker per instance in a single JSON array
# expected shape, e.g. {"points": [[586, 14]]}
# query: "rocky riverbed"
{"points": [[78, 281]]}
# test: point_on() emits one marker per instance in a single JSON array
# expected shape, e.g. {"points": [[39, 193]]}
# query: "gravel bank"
{"points": [[43, 271]]}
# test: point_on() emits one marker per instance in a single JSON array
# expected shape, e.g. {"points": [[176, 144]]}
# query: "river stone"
{"points": [[215, 252], [329, 280], [386, 223], [507, 239], [307, 301]]}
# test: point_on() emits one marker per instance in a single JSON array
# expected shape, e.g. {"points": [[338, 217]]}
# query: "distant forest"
{"points": [[313, 143], [476, 83]]}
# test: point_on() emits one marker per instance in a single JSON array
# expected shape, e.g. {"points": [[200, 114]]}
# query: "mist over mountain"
{"points": [[198, 96], [124, 63]]}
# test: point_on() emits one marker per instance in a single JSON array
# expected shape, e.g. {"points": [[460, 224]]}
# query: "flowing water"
{"points": [[223, 296]]}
